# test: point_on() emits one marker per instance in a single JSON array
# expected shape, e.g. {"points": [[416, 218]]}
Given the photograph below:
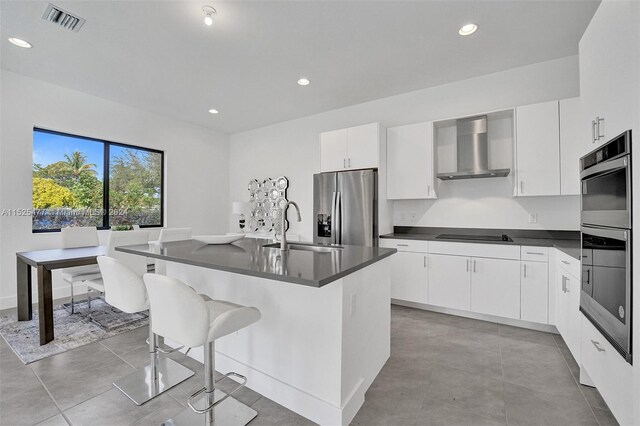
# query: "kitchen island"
{"points": [[324, 334]]}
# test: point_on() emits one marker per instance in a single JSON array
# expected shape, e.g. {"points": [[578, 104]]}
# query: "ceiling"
{"points": [[159, 56]]}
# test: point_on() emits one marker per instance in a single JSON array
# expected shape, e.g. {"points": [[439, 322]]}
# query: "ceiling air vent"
{"points": [[63, 18]]}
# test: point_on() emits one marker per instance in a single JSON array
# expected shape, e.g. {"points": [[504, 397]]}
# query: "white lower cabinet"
{"points": [[450, 281], [408, 269], [608, 371], [534, 292], [409, 277], [568, 314], [495, 287]]}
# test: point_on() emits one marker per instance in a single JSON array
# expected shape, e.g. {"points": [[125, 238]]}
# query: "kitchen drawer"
{"points": [[569, 263], [417, 246], [534, 254], [494, 251], [609, 372]]}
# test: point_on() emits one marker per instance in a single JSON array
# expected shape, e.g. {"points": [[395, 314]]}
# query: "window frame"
{"points": [[106, 145]]}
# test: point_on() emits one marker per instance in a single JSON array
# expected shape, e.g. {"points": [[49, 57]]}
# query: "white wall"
{"points": [[292, 149], [196, 167]]}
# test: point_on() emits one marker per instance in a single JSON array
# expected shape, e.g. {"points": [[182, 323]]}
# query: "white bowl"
{"points": [[218, 239]]}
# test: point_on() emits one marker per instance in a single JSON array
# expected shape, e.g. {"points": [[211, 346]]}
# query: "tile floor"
{"points": [[443, 370]]}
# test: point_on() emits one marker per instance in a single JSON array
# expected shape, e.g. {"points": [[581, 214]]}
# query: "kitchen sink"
{"points": [[307, 247]]}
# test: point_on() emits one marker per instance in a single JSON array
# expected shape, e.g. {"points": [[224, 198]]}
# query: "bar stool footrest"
{"points": [[236, 389], [231, 413]]}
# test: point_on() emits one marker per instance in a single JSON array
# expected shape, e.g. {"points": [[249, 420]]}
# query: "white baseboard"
{"points": [[483, 317]]}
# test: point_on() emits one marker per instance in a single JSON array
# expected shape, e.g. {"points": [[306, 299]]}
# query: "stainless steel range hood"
{"points": [[473, 151]]}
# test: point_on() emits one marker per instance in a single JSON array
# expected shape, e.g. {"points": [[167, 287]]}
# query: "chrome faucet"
{"points": [[284, 246]]}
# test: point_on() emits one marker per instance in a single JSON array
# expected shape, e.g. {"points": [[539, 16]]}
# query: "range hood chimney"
{"points": [[473, 151]]}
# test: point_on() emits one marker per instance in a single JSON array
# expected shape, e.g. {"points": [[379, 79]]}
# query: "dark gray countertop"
{"points": [[566, 241], [249, 257]]}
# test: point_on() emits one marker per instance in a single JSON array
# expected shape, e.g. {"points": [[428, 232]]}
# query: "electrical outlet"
{"points": [[533, 218], [353, 304]]}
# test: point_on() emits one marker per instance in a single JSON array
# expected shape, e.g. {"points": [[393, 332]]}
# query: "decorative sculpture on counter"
{"points": [[266, 200]]}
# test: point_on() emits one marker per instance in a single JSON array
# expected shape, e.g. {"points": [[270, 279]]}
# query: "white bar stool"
{"points": [[125, 289], [180, 314]]}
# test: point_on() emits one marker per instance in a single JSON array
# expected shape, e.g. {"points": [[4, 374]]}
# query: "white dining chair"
{"points": [[170, 235], [124, 289], [137, 263], [73, 237], [178, 313]]}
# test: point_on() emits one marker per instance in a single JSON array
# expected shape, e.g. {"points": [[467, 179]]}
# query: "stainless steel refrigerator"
{"points": [[345, 206]]}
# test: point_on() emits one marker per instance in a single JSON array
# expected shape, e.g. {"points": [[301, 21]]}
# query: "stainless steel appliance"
{"points": [[345, 206], [473, 151], [606, 184], [607, 282]]}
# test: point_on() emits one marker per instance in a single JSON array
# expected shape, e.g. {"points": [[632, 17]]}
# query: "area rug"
{"points": [[71, 331]]}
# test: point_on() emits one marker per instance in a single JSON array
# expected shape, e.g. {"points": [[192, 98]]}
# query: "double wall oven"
{"points": [[606, 221]]}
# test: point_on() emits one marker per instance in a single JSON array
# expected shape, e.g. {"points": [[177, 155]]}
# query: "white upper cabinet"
{"points": [[349, 149], [574, 143], [410, 162], [363, 146], [609, 64], [537, 150], [333, 150]]}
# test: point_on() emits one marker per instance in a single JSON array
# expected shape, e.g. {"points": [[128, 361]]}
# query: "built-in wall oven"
{"points": [[607, 283], [606, 184]]}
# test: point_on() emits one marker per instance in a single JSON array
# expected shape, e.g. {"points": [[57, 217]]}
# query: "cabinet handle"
{"points": [[597, 345], [344, 163], [521, 190], [564, 284], [593, 131], [565, 262], [600, 120], [467, 265], [349, 161], [525, 270], [402, 245], [535, 252], [474, 266], [425, 261], [428, 189]]}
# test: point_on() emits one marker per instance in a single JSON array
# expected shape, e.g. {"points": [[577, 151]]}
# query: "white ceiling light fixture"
{"points": [[467, 29], [208, 15], [20, 43], [304, 81], [213, 111]]}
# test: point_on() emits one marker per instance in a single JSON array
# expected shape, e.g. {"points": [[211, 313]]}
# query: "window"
{"points": [[80, 181]]}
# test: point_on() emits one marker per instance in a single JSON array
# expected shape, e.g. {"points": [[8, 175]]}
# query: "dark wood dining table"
{"points": [[45, 261]]}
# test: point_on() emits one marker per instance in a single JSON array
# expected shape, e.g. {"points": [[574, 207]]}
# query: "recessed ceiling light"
{"points": [[208, 15], [20, 43], [468, 29], [304, 82], [213, 111]]}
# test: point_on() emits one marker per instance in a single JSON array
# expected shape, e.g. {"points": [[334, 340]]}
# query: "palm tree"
{"points": [[75, 164]]}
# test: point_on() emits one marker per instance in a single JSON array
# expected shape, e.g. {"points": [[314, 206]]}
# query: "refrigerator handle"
{"points": [[338, 221], [334, 217]]}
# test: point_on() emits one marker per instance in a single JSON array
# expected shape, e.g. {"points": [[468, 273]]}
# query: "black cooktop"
{"points": [[502, 237]]}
